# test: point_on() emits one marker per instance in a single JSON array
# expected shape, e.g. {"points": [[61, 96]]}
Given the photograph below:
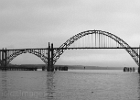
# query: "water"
{"points": [[71, 85]]}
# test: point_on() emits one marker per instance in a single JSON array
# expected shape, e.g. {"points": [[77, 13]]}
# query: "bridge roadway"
{"points": [[71, 48], [97, 48]]}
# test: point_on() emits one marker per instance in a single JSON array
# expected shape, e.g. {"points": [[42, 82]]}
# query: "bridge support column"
{"points": [[52, 54], [139, 61], [3, 58], [48, 56], [50, 66]]}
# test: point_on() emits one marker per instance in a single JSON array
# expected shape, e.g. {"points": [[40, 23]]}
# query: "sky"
{"points": [[34, 23]]}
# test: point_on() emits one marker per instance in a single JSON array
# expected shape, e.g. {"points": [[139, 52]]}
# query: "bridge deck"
{"points": [[57, 48], [98, 48]]}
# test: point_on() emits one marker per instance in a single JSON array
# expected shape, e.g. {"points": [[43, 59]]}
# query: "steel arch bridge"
{"points": [[97, 38]]}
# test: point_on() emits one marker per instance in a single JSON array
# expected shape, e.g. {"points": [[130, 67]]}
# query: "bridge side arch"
{"points": [[19, 52], [74, 38]]}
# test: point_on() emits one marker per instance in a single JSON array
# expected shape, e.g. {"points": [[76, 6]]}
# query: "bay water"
{"points": [[69, 85]]}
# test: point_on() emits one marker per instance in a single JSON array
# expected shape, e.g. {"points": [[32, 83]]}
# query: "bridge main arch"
{"points": [[133, 53]]}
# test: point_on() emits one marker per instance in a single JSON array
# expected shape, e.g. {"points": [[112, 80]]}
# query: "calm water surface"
{"points": [[71, 85]]}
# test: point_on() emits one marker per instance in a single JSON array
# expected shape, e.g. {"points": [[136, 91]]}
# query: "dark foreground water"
{"points": [[71, 85]]}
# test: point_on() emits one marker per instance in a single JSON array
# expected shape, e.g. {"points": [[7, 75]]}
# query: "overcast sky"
{"points": [[34, 23]]}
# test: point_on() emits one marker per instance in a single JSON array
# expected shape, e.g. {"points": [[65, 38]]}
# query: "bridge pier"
{"points": [[139, 61], [3, 58], [50, 66]]}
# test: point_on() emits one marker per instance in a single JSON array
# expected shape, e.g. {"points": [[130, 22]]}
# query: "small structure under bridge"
{"points": [[90, 39]]}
